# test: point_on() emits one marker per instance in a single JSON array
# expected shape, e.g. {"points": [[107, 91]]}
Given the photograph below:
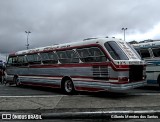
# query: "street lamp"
{"points": [[27, 45], [124, 29]]}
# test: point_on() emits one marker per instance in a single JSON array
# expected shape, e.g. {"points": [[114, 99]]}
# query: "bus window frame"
{"points": [[153, 51], [49, 60], [72, 58], [14, 63], [149, 50], [25, 61], [92, 57], [32, 62], [69, 60]]}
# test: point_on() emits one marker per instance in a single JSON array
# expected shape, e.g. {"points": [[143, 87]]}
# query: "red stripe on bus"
{"points": [[70, 65]]}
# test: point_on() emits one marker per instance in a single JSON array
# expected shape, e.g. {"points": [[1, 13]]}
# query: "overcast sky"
{"points": [[59, 21]]}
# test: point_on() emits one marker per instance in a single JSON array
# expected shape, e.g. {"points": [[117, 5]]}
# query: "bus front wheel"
{"points": [[68, 86], [16, 81]]}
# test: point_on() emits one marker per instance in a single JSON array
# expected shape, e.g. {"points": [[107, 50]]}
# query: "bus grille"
{"points": [[100, 72], [135, 73]]}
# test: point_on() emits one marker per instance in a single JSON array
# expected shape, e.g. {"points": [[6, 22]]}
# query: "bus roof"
{"points": [[67, 45], [147, 44]]}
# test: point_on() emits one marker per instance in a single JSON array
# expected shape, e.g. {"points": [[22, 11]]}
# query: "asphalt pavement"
{"points": [[91, 105]]}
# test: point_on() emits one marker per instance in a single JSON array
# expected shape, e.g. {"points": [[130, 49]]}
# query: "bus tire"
{"points": [[68, 86], [16, 81]]}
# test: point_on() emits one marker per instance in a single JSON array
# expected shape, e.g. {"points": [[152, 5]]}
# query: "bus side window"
{"points": [[97, 54], [92, 54], [53, 57], [49, 58], [71, 54], [68, 56], [156, 52], [144, 53], [34, 59], [12, 61], [22, 61], [85, 55], [62, 56]]}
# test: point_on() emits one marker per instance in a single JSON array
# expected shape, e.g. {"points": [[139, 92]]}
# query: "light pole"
{"points": [[27, 45], [124, 29]]}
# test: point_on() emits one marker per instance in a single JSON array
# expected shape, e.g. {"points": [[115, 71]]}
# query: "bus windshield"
{"points": [[115, 51]]}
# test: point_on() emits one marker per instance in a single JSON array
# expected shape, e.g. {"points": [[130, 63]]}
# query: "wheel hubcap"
{"points": [[68, 86]]}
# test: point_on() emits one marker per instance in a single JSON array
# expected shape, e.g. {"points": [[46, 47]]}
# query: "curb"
{"points": [[152, 114]]}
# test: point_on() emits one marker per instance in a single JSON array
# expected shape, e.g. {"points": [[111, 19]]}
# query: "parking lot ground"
{"points": [[78, 102], [53, 103]]}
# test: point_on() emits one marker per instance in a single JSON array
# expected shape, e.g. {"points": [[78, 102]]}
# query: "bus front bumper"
{"points": [[121, 87], [105, 86]]}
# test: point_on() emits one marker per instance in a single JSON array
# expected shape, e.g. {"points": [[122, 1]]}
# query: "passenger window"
{"points": [[22, 61], [72, 56], [62, 57], [12, 61], [68, 56], [145, 53], [34, 59], [93, 54], [49, 58], [85, 55], [156, 52], [97, 54]]}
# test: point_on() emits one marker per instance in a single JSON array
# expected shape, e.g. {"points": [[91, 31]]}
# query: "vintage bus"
{"points": [[150, 52], [94, 64]]}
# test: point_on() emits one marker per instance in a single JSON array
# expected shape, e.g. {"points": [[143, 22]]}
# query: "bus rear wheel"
{"points": [[68, 86]]}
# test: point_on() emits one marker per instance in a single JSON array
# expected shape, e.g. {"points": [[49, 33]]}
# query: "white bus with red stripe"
{"points": [[94, 64]]}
